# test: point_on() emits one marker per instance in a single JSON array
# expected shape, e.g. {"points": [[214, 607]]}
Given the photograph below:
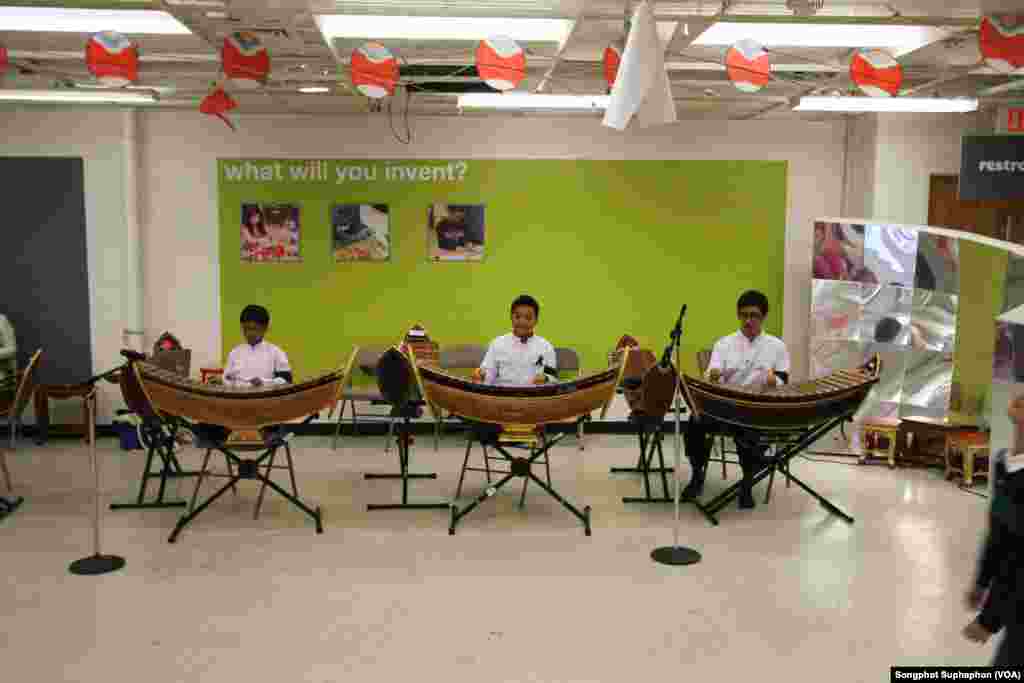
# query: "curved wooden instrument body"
{"points": [[515, 407], [786, 407], [237, 408]]}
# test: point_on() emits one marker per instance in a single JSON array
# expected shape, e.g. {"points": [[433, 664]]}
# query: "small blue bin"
{"points": [[128, 435]]}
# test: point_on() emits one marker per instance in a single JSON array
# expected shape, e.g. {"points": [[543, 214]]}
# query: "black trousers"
{"points": [[698, 448], [1011, 648]]}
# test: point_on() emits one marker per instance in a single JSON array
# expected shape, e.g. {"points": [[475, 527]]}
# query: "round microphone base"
{"points": [[96, 564], [675, 555]]}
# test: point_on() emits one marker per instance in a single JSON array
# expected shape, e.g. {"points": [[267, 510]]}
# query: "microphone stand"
{"points": [[675, 554], [97, 563]]}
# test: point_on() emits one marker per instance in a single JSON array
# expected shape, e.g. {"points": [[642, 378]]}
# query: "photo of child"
{"points": [[455, 232], [361, 232], [270, 233]]}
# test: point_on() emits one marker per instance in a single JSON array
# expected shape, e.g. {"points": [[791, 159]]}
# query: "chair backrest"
{"points": [[368, 357], [462, 357], [567, 359], [703, 360], [27, 386], [178, 361]]}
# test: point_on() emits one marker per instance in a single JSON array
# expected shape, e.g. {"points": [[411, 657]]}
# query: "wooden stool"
{"points": [[962, 455], [876, 432]]}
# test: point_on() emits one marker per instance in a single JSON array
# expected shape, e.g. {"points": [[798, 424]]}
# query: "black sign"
{"points": [[992, 167]]}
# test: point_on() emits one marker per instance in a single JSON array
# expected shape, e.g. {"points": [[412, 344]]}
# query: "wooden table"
{"points": [[917, 430], [45, 392]]}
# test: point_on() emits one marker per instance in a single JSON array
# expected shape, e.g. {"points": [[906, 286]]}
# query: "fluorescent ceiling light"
{"points": [[899, 39], [530, 101], [909, 105], [78, 96], [442, 28], [314, 89], [67, 20]]}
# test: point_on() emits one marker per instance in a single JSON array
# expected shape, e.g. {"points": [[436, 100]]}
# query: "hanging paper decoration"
{"points": [[748, 66], [612, 59], [374, 70], [500, 62], [217, 103], [245, 61], [3, 59], [112, 59], [1001, 40], [876, 73]]}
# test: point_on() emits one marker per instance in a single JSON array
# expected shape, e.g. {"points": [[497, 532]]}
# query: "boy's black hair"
{"points": [[887, 329], [255, 314], [753, 297], [526, 300]]}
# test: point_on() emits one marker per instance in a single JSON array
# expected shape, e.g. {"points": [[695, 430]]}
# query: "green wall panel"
{"points": [[607, 247]]}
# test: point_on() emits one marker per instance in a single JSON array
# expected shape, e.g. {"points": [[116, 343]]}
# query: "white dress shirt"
{"points": [[511, 362], [743, 362], [247, 362]]}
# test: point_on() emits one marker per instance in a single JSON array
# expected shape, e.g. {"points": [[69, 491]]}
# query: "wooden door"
{"points": [[1002, 220]]}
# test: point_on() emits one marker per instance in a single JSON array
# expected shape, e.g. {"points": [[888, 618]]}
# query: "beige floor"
{"points": [[515, 596]]}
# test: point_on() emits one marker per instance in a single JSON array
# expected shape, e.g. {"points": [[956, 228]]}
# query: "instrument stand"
{"points": [[97, 563], [650, 432], [161, 443], [244, 468], [780, 462], [9, 505], [404, 437], [675, 554], [520, 467]]}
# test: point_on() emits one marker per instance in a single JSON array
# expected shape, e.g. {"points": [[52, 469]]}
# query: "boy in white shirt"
{"points": [[257, 362], [747, 358], [521, 358]]}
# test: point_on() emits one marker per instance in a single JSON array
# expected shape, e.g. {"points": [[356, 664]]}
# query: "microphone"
{"points": [[133, 355]]}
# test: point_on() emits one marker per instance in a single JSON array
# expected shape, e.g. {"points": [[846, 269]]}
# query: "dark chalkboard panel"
{"points": [[44, 275]]}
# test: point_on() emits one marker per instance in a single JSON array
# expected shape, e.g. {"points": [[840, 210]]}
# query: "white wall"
{"points": [[179, 186], [861, 160], [887, 161], [910, 149], [97, 137]]}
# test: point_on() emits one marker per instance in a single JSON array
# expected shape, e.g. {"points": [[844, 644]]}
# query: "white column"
{"points": [[134, 321]]}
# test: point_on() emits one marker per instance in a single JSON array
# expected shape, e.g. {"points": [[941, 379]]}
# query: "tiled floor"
{"points": [[516, 595]]}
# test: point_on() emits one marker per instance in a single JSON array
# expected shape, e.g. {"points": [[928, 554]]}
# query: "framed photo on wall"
{"points": [[270, 233], [455, 232], [360, 232]]}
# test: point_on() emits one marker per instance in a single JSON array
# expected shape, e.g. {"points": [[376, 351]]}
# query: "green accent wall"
{"points": [[607, 247], [982, 279]]}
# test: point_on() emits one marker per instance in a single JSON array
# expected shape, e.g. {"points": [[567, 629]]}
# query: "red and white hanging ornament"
{"points": [[500, 62], [245, 61], [749, 66], [876, 73], [612, 60], [112, 59], [374, 70], [218, 103], [1001, 41]]}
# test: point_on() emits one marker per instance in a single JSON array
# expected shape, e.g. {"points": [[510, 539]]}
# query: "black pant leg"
{"points": [[1011, 648], [750, 453], [698, 448]]}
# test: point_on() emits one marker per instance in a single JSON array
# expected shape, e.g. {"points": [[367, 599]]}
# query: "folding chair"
{"points": [[568, 361], [366, 360], [13, 411], [456, 359]]}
